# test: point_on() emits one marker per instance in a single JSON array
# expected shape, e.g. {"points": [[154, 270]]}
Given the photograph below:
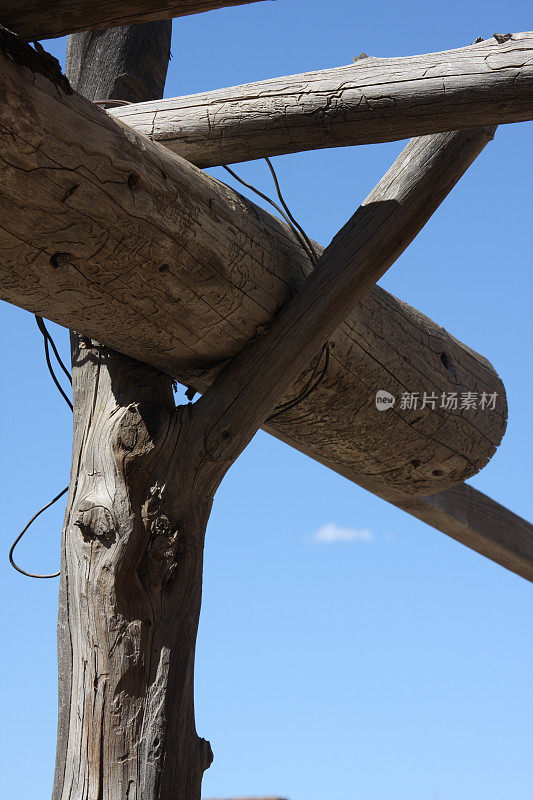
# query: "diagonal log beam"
{"points": [[478, 522], [461, 512], [207, 270], [407, 344], [42, 19], [372, 100]]}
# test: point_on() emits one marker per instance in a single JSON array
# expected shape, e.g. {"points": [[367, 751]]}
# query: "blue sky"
{"points": [[386, 663]]}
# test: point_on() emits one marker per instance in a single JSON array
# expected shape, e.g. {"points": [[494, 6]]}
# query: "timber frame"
{"points": [[144, 473]]}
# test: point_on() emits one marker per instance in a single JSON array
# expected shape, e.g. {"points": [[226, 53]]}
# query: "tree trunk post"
{"points": [[132, 549]]}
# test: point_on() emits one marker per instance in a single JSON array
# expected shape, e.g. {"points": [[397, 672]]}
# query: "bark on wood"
{"points": [[42, 19], [132, 547], [207, 270], [372, 100]]}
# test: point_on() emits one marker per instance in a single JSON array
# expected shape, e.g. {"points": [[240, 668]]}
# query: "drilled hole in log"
{"points": [[445, 358], [133, 182], [60, 260]]}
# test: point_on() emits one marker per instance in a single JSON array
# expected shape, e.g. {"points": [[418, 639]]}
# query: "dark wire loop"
{"points": [[309, 387], [48, 342], [21, 534], [301, 240], [295, 224], [307, 245], [46, 333]]}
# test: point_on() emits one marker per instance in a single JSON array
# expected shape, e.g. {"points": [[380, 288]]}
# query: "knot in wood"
{"points": [[502, 37], [163, 539], [139, 428], [95, 521]]}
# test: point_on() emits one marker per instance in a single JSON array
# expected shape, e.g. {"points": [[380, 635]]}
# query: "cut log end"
{"points": [[206, 268]]}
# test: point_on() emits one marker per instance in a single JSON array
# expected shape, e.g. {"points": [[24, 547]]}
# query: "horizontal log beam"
{"points": [[145, 253], [43, 19], [372, 100], [108, 191]]}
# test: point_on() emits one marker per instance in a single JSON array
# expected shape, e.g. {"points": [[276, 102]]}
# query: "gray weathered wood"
{"points": [[43, 19], [206, 270], [371, 100], [125, 657], [126, 63], [132, 571]]}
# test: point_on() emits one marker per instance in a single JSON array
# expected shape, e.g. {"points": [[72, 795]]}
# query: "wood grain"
{"points": [[132, 575], [42, 19], [132, 545], [206, 271], [372, 100]]}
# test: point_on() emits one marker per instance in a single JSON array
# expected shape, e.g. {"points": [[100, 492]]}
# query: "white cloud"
{"points": [[331, 533]]}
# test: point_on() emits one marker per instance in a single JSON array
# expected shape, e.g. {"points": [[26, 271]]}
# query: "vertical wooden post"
{"points": [[132, 548]]}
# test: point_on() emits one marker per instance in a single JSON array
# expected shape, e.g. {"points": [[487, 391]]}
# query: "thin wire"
{"points": [[48, 342], [309, 388], [314, 257], [306, 245], [45, 332], [21, 534], [48, 339], [302, 242]]}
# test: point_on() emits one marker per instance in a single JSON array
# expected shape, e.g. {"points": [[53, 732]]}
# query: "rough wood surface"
{"points": [[132, 576], [132, 544], [126, 63], [143, 478], [371, 100], [206, 271], [43, 19]]}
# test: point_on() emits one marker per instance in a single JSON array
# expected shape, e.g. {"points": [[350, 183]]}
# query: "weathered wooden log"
{"points": [[126, 635], [206, 270], [372, 100], [42, 19], [478, 522], [131, 589]]}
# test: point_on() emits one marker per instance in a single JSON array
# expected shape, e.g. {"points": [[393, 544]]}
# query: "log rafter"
{"points": [[207, 270], [42, 19], [513, 543], [372, 100]]}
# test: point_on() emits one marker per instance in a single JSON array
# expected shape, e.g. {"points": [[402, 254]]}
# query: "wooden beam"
{"points": [[42, 19], [461, 512], [478, 522], [130, 63], [372, 100], [206, 271], [51, 272]]}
